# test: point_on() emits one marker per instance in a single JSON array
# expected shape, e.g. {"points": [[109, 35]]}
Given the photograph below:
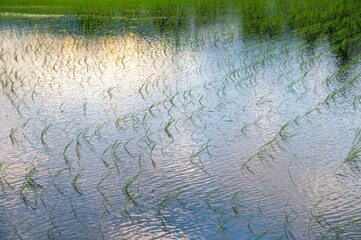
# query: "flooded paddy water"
{"points": [[192, 121]]}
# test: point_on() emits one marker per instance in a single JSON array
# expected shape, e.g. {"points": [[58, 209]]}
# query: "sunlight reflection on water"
{"points": [[189, 115]]}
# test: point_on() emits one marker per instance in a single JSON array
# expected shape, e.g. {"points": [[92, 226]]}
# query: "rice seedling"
{"points": [[50, 214], [221, 225], [113, 148], [130, 182], [288, 221], [244, 127], [12, 136], [77, 147], [263, 150], [143, 86], [99, 127], [130, 198], [168, 197], [50, 233], [351, 163], [43, 133], [3, 182], [212, 195], [119, 119], [105, 198], [126, 143], [23, 226], [30, 188], [163, 203], [356, 101], [282, 135], [166, 128], [151, 151], [152, 106], [67, 162], [236, 206], [102, 180], [203, 148], [74, 183], [56, 185]]}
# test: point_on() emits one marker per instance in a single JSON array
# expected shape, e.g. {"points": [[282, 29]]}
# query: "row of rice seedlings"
{"points": [[316, 219], [346, 86], [236, 73], [341, 70], [282, 135], [294, 17], [225, 216], [21, 81], [149, 110], [166, 128], [149, 142], [299, 51]]}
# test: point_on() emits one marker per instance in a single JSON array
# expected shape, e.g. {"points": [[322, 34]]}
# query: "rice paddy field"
{"points": [[180, 119]]}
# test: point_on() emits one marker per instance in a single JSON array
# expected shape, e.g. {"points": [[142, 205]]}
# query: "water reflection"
{"points": [[149, 123]]}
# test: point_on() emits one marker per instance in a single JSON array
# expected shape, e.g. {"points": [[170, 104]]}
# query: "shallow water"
{"points": [[206, 133]]}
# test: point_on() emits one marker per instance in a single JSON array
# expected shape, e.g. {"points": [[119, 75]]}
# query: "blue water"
{"points": [[225, 136]]}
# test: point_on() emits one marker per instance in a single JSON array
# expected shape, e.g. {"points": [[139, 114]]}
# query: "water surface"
{"points": [[147, 126]]}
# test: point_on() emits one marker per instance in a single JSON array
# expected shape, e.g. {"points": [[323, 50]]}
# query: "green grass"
{"points": [[312, 20]]}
